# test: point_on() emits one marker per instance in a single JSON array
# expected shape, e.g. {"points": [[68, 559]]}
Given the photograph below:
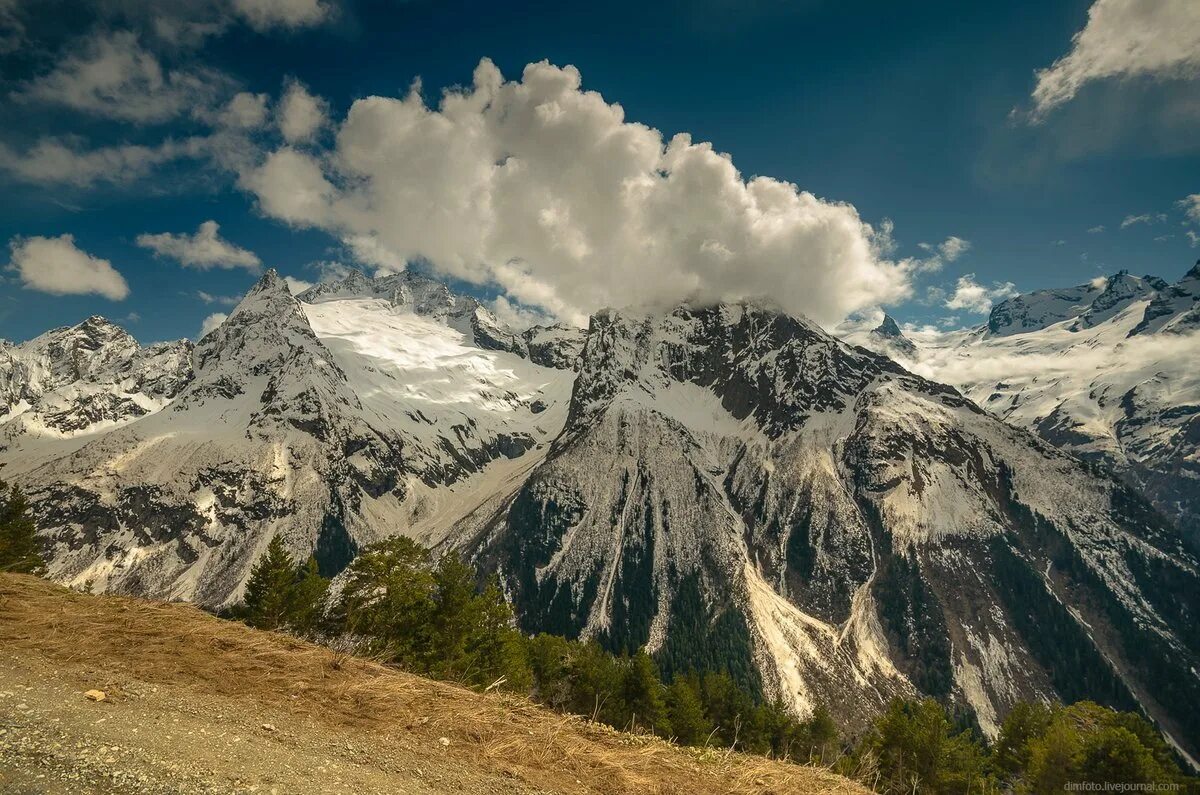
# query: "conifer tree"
{"points": [[685, 711], [306, 601], [269, 589], [387, 602], [19, 548], [642, 696]]}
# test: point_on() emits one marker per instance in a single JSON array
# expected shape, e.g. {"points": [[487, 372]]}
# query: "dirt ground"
{"points": [[193, 704]]}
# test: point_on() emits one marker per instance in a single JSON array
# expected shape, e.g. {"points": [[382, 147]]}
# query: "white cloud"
{"points": [[205, 249], [55, 265], [547, 191], [54, 161], [245, 111], [971, 296], [1058, 242], [953, 247], [948, 250], [12, 27], [264, 15], [1146, 218], [1095, 230], [1122, 39], [517, 316], [211, 322], [1191, 207], [222, 300], [296, 286], [301, 115], [113, 76], [1193, 238]]}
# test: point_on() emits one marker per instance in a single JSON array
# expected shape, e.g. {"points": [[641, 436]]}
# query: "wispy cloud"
{"points": [[1123, 39], [1145, 218]]}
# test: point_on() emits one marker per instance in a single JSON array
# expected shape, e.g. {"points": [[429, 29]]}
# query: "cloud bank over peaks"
{"points": [[547, 191]]}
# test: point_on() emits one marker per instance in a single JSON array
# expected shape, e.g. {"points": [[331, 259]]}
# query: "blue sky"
{"points": [[918, 116]]}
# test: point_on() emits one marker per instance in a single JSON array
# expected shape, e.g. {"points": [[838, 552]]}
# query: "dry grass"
{"points": [[180, 645]]}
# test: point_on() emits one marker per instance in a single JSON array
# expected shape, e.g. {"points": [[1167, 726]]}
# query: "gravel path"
{"points": [[158, 739]]}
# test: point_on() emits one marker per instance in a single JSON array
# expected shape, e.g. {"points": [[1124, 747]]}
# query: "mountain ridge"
{"points": [[847, 530]]}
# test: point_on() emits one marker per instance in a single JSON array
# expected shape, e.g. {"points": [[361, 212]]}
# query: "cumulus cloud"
{"points": [[245, 111], [953, 247], [211, 322], [203, 250], [548, 192], [301, 115], [1191, 207], [113, 76], [1123, 39], [264, 15], [1095, 230], [54, 161], [971, 296], [55, 265], [1193, 238]]}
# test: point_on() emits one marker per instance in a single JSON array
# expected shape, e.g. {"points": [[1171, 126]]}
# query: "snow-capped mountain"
{"points": [[332, 423], [728, 486], [1106, 370], [86, 377], [736, 488]]}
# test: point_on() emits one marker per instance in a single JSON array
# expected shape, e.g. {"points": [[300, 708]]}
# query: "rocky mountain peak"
{"points": [[893, 339], [757, 360], [888, 328]]}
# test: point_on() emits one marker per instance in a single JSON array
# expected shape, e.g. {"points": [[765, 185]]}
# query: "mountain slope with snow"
{"points": [[329, 423], [734, 488], [1105, 370], [729, 487]]}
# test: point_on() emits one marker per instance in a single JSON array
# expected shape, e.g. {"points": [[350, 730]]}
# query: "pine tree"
{"points": [[19, 548], [269, 589], [642, 696], [387, 602], [455, 614], [306, 600], [686, 712]]}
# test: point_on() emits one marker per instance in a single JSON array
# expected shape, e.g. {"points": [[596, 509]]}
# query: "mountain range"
{"points": [[1106, 370], [727, 486]]}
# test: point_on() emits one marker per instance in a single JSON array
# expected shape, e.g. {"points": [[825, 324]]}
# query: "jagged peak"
{"points": [[888, 327], [1194, 273]]}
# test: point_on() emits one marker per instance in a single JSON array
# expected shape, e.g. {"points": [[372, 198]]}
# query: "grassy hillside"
{"points": [[196, 704]]}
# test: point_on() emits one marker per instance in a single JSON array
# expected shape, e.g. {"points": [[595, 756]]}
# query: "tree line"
{"points": [[435, 619]]}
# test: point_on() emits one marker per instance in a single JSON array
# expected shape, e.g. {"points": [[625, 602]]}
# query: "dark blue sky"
{"points": [[902, 110]]}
